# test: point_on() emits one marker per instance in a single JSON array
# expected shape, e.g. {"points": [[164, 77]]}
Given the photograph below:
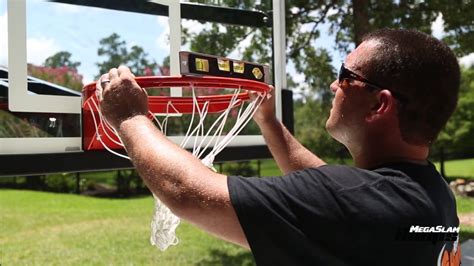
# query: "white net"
{"points": [[205, 143]]}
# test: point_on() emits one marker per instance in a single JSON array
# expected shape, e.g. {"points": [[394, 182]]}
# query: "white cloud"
{"points": [[467, 60], [38, 49], [194, 26], [239, 50], [298, 78], [294, 10], [68, 8], [437, 27], [163, 40]]}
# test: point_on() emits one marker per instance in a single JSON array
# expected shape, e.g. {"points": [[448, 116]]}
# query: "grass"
{"points": [[454, 169], [459, 168], [269, 168], [465, 205], [58, 229]]}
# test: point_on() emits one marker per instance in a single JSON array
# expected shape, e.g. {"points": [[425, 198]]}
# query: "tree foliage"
{"points": [[61, 59], [62, 75], [458, 134], [310, 123], [346, 22], [58, 69], [116, 53]]}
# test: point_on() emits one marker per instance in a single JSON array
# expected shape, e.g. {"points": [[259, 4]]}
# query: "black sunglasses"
{"points": [[345, 73]]}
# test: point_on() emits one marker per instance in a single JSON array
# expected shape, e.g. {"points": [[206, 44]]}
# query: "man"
{"points": [[393, 95]]}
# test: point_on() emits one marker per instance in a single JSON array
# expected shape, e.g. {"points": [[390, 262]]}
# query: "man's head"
{"points": [[396, 76]]}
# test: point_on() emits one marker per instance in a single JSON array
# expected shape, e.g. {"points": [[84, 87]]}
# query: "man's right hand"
{"points": [[266, 111]]}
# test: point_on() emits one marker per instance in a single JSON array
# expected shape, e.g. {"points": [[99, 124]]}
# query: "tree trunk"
{"points": [[123, 183], [361, 19]]}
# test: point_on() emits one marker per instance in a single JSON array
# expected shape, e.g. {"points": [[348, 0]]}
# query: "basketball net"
{"points": [[206, 143]]}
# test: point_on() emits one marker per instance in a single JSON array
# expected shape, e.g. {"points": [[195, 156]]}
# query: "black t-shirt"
{"points": [[340, 215]]}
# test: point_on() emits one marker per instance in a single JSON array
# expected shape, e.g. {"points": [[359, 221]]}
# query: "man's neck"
{"points": [[376, 154]]}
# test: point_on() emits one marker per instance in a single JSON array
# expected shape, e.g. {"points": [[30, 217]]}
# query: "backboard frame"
{"points": [[72, 159]]}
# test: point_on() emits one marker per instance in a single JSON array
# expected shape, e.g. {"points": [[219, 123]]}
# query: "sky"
{"points": [[54, 27]]}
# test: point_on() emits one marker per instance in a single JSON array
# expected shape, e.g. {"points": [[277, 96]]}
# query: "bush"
{"points": [[245, 168], [65, 183]]}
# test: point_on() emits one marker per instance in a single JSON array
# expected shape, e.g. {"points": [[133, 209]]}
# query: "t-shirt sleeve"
{"points": [[338, 211], [288, 198], [288, 209]]}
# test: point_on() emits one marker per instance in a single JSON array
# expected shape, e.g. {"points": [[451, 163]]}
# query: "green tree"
{"points": [[457, 138], [347, 22], [63, 75], [310, 122], [115, 51], [244, 168], [61, 59]]}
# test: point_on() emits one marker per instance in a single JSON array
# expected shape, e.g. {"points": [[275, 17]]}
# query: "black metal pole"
{"points": [[78, 183]]}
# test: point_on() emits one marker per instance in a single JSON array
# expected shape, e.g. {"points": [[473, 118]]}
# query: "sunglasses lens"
{"points": [[340, 75]]}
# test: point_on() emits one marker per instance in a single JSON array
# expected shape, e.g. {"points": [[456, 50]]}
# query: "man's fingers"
{"points": [[271, 91], [254, 94], [121, 75], [113, 74], [100, 85], [124, 71]]}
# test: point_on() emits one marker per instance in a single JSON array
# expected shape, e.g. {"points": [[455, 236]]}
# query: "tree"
{"points": [[60, 70], [115, 51], [347, 21], [61, 59], [457, 138], [310, 121], [63, 76]]}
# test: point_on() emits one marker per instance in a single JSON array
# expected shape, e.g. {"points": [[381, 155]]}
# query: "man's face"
{"points": [[352, 101]]}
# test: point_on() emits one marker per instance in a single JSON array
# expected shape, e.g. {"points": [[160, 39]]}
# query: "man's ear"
{"points": [[383, 106]]}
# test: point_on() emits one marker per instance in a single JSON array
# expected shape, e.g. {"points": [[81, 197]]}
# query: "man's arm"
{"points": [[191, 190], [288, 152]]}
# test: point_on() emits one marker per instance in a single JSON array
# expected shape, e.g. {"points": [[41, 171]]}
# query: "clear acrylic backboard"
{"points": [[40, 103]]}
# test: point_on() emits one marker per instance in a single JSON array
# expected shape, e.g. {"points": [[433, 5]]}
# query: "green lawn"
{"points": [[269, 168], [58, 229], [465, 205], [42, 228], [459, 168], [453, 168]]}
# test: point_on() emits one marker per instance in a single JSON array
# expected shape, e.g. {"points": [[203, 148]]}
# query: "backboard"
{"points": [[40, 105]]}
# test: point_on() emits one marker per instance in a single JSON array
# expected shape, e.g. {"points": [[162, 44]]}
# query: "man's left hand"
{"points": [[120, 97]]}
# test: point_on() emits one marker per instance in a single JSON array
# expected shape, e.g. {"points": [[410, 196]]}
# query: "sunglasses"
{"points": [[345, 74]]}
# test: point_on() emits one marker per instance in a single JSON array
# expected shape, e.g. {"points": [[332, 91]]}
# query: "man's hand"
{"points": [[120, 97], [266, 111]]}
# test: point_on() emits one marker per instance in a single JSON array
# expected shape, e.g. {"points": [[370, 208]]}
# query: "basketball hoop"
{"points": [[204, 142]]}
